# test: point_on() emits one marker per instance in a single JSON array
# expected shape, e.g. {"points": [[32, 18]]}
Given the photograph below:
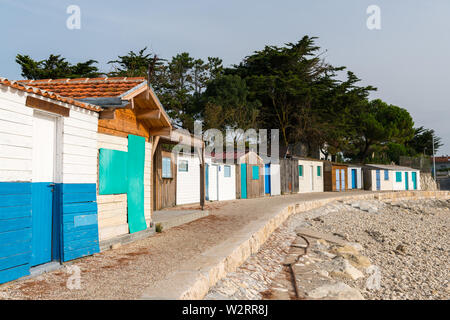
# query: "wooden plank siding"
{"points": [[255, 187], [329, 176], [124, 123], [164, 191], [289, 176]]}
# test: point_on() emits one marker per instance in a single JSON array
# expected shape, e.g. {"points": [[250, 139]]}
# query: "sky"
{"points": [[408, 59]]}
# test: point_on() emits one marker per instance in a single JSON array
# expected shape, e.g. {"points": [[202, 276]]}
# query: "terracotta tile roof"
{"points": [[23, 86], [442, 159], [87, 87]]}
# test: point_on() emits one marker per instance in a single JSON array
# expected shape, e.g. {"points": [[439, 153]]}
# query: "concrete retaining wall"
{"points": [[198, 276]]}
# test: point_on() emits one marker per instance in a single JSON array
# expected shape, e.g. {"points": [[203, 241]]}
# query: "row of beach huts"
{"points": [[85, 161]]}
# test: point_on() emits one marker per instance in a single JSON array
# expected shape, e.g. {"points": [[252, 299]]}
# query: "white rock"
{"points": [[336, 291]]}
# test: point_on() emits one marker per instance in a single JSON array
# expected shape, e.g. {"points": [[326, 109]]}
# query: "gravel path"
{"points": [[126, 272], [407, 241]]}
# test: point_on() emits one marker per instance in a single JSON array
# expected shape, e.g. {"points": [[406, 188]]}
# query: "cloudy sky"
{"points": [[408, 60]]}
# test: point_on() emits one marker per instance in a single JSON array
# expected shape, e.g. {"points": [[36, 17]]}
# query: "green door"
{"points": [[406, 181], [243, 181], [414, 179]]}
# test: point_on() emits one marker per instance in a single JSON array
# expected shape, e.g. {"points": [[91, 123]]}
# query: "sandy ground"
{"points": [[126, 272]]}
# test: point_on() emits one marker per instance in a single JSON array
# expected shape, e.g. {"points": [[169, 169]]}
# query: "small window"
{"points": [[319, 171], [386, 175], [398, 177], [227, 171], [183, 166], [255, 173], [166, 168], [300, 171]]}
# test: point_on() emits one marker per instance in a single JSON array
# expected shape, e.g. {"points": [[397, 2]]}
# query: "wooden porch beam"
{"points": [[149, 114], [160, 131], [47, 106], [107, 114]]}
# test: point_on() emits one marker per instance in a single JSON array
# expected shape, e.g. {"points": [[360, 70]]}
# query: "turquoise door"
{"points": [[414, 179], [406, 181], [354, 179], [243, 181]]}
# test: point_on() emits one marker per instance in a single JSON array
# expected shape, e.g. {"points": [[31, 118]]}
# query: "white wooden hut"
{"points": [[310, 175], [220, 181], [379, 177], [355, 177], [48, 175]]}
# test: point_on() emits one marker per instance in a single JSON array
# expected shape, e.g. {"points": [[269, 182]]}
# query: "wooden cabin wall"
{"points": [[289, 176], [333, 176], [238, 181], [165, 189], [255, 188], [327, 178]]}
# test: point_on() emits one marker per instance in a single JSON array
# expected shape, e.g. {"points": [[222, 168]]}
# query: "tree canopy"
{"points": [[291, 88]]}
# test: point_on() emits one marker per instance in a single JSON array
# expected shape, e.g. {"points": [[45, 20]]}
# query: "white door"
{"points": [[312, 178], [44, 148], [213, 181]]}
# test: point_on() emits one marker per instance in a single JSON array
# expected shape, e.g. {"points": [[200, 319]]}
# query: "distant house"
{"points": [[310, 174], [442, 164], [379, 177]]}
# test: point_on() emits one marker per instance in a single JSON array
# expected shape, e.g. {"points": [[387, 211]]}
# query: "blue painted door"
{"points": [[42, 220], [243, 181], [343, 177], [43, 169], [378, 180], [406, 181], [414, 179], [354, 184], [207, 181], [267, 178], [338, 181]]}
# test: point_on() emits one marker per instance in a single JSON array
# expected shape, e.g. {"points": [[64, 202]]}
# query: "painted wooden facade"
{"points": [[274, 174], [390, 178], [355, 177], [188, 179], [220, 181], [310, 175], [289, 175], [113, 207], [335, 176], [249, 176], [178, 175], [48, 164]]}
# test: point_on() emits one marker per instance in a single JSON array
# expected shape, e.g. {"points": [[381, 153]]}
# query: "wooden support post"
{"points": [[155, 144], [202, 177]]}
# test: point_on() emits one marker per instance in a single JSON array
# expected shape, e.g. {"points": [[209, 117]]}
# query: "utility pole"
{"points": [[434, 160]]}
